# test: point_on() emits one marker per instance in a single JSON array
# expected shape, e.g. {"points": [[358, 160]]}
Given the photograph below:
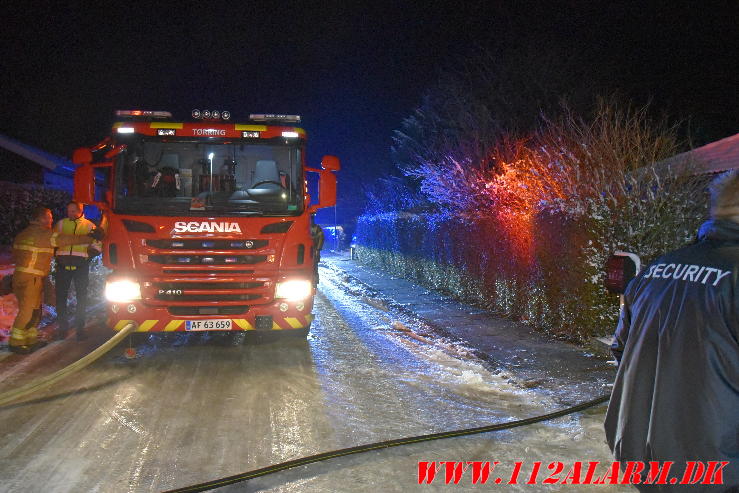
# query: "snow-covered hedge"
{"points": [[18, 200], [551, 277], [475, 261], [525, 227]]}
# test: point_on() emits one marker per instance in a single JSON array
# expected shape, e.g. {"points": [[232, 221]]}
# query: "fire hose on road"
{"points": [[44, 382], [386, 444], [48, 380]]}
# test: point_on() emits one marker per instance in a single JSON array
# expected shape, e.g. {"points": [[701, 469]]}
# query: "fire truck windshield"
{"points": [[198, 178]]}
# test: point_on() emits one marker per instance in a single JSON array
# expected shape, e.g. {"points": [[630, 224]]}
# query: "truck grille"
{"points": [[207, 259], [210, 285], [207, 310], [208, 297], [208, 291], [169, 244], [209, 276], [210, 272]]}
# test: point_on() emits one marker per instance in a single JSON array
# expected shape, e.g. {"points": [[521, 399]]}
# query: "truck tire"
{"points": [[138, 338], [275, 336], [297, 333]]}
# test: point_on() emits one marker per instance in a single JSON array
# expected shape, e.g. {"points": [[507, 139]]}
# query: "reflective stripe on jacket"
{"points": [[33, 248], [77, 227]]}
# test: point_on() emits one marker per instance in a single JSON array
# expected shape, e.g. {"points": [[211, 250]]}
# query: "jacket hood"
{"points": [[719, 229]]}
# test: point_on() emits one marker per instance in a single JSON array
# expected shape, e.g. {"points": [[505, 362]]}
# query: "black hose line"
{"points": [[264, 471]]}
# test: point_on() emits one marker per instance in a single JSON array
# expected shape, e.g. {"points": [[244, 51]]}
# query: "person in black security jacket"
{"points": [[676, 394]]}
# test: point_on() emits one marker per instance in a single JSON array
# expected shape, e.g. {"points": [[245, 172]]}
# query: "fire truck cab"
{"points": [[208, 222]]}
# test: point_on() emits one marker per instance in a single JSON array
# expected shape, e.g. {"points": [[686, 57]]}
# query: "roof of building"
{"points": [[718, 156]]}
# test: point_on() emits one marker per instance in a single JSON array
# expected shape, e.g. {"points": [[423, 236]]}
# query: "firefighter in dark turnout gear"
{"points": [[676, 394], [73, 266], [33, 249]]}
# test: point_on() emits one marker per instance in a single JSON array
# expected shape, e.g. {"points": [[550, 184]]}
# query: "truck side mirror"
{"points": [[84, 184], [326, 189], [82, 155], [620, 269], [330, 163], [84, 177], [326, 182]]}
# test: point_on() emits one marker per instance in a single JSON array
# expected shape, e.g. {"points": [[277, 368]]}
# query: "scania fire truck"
{"points": [[208, 222]]}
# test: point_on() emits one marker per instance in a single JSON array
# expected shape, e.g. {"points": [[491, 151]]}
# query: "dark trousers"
{"points": [[75, 270]]}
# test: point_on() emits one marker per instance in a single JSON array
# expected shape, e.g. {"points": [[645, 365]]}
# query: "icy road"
{"points": [[193, 408]]}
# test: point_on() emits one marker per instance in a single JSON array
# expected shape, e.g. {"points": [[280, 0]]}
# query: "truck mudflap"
{"points": [[278, 323]]}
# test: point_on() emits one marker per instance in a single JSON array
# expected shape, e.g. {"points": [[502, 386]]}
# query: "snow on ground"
{"points": [[192, 409]]}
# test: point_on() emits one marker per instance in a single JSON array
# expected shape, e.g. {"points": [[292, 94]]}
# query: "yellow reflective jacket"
{"points": [[33, 248], [78, 227]]}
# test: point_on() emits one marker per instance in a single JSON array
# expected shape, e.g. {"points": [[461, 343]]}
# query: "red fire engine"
{"points": [[209, 223]]}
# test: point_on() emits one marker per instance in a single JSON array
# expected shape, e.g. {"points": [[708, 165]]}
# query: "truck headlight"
{"points": [[122, 291], [295, 290]]}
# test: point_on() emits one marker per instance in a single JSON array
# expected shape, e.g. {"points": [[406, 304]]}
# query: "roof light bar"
{"points": [[143, 113], [262, 117]]}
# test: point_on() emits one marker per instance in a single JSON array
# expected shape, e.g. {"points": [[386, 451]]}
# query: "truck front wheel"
{"points": [[300, 333]]}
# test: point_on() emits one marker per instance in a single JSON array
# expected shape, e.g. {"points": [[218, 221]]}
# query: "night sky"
{"points": [[353, 70]]}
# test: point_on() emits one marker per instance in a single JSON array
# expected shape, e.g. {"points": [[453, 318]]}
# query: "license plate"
{"points": [[208, 324]]}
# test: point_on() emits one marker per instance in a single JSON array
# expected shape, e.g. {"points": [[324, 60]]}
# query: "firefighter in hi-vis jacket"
{"points": [[73, 265], [33, 249]]}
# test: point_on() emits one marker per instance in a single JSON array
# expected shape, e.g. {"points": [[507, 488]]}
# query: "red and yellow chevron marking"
{"points": [[243, 324], [286, 323], [174, 325]]}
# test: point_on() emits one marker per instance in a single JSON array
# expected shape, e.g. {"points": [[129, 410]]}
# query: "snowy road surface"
{"points": [[194, 408]]}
